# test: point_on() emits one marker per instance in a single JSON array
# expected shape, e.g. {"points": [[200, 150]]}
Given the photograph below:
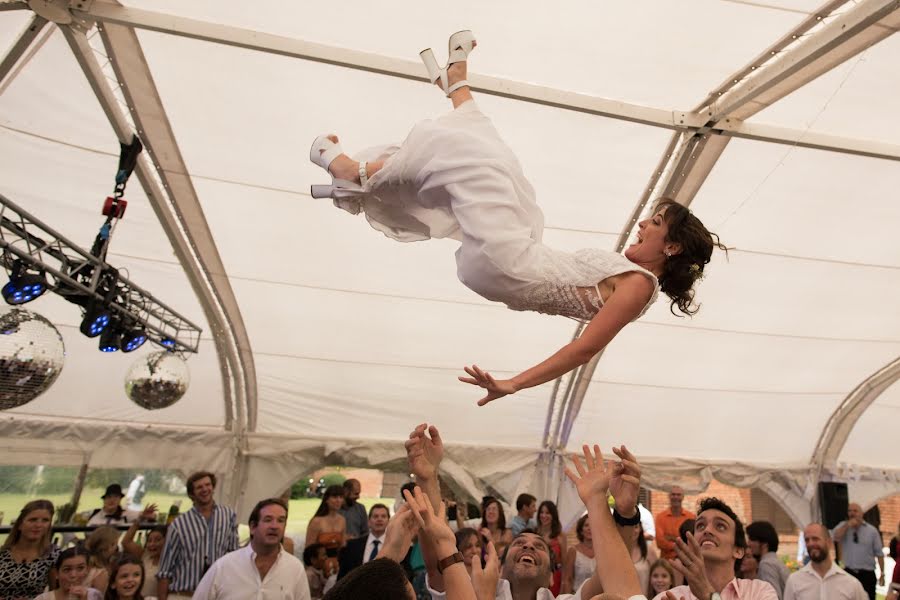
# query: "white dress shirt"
{"points": [[837, 584], [235, 577], [647, 521], [504, 592], [370, 543]]}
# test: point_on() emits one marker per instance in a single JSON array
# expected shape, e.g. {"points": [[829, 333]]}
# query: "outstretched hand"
{"points": [[148, 514], [691, 566], [424, 451], [593, 476], [398, 536], [434, 529], [496, 388], [625, 482], [484, 580]]}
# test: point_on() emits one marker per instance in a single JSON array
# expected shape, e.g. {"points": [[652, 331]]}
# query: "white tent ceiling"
{"points": [[355, 338]]}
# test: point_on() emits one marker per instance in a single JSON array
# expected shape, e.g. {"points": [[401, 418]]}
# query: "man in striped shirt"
{"points": [[195, 540]]}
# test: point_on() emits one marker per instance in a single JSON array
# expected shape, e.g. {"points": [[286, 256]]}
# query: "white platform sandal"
{"points": [[323, 152], [460, 45]]}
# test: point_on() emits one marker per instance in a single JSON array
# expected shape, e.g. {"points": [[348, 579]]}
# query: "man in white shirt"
{"points": [[262, 569], [821, 578]]}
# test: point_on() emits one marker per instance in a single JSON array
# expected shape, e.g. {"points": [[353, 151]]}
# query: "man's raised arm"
{"points": [[424, 452], [615, 572]]}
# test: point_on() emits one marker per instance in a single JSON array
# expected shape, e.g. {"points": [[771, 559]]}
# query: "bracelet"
{"points": [[450, 560], [626, 521]]}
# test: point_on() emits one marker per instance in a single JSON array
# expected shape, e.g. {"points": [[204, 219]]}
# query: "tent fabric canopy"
{"points": [[324, 340]]}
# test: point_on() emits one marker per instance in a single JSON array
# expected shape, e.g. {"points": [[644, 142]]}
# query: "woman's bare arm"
{"points": [[626, 303], [128, 543], [568, 572], [312, 531]]}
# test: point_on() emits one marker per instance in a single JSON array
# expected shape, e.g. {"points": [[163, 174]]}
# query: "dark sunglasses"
{"points": [[855, 537]]}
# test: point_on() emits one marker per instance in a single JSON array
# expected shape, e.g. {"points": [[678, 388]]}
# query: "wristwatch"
{"points": [[452, 560], [628, 521]]}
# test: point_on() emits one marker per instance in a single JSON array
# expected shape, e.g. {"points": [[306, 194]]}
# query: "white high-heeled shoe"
{"points": [[460, 45], [323, 152]]}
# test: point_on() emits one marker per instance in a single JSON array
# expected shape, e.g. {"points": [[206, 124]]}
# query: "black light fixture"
{"points": [[24, 286], [167, 343], [133, 339], [110, 339], [95, 321]]}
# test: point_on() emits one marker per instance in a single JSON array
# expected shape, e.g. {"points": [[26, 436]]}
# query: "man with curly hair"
{"points": [[706, 560]]}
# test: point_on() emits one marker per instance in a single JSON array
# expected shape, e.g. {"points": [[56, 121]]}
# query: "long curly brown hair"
{"points": [[682, 270]]}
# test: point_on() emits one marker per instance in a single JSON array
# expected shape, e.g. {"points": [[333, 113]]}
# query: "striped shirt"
{"points": [[194, 543]]}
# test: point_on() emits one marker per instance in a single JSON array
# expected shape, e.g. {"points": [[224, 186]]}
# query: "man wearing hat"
{"points": [[112, 512]]}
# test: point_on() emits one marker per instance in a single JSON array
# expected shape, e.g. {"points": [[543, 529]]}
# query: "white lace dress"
{"points": [[454, 177]]}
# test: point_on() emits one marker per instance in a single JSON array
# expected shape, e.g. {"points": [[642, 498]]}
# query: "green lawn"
{"points": [[301, 510]]}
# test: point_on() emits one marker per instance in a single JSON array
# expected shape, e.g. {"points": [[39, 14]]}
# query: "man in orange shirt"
{"points": [[668, 522]]}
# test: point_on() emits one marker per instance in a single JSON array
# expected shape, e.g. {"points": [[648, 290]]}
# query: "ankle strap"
{"points": [[456, 86], [363, 175]]}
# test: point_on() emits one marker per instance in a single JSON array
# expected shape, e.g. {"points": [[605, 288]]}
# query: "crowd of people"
{"points": [[418, 552]]}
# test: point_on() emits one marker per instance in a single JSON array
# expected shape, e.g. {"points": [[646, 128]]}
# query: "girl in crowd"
{"points": [[454, 177], [493, 526], [126, 579], [662, 577], [149, 553], [470, 544], [328, 527], [27, 556], [579, 565], [72, 566], [550, 528], [102, 544], [642, 556]]}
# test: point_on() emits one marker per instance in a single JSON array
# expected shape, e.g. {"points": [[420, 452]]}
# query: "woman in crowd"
{"points": [[126, 579], [102, 544], [662, 577], [27, 556], [550, 528], [149, 553], [642, 556], [72, 567], [470, 544], [747, 567], [579, 564], [493, 526], [328, 527]]}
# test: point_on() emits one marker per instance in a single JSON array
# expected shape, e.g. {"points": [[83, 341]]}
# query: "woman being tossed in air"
{"points": [[454, 177]]}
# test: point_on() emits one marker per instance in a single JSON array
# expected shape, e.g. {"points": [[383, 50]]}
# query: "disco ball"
{"points": [[157, 380], [32, 355]]}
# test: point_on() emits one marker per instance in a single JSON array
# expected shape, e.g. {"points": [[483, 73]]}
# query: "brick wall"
{"points": [[738, 499], [890, 516], [370, 480]]}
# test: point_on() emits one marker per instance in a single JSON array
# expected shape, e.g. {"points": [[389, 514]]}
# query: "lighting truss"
{"points": [[82, 278]]}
